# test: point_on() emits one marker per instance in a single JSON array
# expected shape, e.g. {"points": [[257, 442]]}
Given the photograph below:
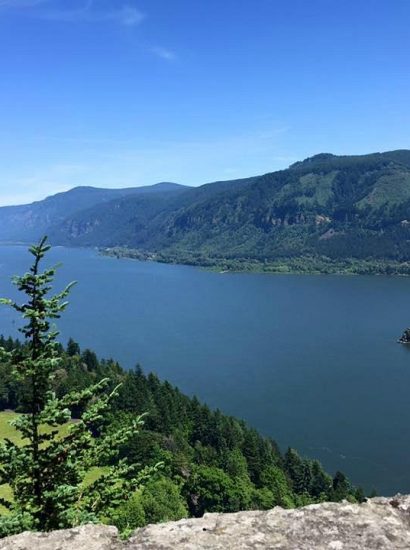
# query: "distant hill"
{"points": [[30, 221], [324, 210], [135, 220]]}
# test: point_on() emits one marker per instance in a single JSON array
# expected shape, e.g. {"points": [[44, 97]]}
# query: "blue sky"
{"points": [[112, 93]]}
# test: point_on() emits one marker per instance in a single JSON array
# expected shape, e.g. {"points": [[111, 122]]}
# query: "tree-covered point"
{"points": [[212, 462]]}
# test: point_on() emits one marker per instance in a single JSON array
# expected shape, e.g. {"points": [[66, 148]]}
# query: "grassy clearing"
{"points": [[9, 432]]}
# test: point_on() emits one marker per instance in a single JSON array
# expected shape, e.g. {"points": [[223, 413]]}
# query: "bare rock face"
{"points": [[86, 537], [380, 523]]}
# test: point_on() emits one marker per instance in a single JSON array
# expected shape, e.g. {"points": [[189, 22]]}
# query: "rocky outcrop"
{"points": [[405, 337], [380, 523]]}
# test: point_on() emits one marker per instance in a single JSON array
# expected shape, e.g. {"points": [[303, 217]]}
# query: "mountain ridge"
{"points": [[327, 209], [30, 221]]}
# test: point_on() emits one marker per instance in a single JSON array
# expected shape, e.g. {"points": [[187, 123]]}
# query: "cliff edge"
{"points": [[380, 523]]}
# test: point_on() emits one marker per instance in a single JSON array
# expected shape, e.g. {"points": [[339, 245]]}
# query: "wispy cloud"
{"points": [[86, 10], [164, 53], [125, 15], [128, 15]]}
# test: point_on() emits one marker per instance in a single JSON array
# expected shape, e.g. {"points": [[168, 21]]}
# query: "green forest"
{"points": [[90, 441]]}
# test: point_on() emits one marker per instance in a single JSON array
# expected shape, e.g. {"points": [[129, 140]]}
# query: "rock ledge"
{"points": [[405, 337], [380, 523]]}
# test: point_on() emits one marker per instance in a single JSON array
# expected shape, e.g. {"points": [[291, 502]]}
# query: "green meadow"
{"points": [[7, 431]]}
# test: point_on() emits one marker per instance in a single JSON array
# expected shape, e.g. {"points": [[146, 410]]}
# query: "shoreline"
{"points": [[302, 265]]}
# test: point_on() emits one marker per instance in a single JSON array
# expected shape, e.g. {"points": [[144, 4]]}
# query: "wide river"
{"points": [[310, 360]]}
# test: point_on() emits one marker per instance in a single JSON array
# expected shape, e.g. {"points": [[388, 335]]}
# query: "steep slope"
{"points": [[135, 220], [334, 206], [112, 223], [28, 222]]}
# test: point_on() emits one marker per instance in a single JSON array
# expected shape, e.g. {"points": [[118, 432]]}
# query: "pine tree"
{"points": [[73, 348], [46, 472]]}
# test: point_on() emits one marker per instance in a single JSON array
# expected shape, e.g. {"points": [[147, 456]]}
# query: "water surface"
{"points": [[309, 360]]}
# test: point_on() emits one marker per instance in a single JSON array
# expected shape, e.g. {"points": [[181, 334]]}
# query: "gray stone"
{"points": [[90, 537], [380, 523]]}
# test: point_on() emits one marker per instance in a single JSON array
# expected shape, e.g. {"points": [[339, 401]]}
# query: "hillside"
{"points": [[326, 213], [135, 220], [30, 221], [337, 207]]}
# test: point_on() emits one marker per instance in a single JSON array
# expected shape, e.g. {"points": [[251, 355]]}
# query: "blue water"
{"points": [[310, 360]]}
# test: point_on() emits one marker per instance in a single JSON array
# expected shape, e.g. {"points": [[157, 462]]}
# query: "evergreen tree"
{"points": [[321, 486], [341, 487], [73, 348], [90, 359], [298, 470], [46, 473]]}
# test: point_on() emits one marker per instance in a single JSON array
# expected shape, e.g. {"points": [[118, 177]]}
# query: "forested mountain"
{"points": [[336, 207], [30, 221], [325, 211], [135, 220]]}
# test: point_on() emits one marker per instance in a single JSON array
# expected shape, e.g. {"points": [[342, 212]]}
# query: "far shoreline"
{"points": [[301, 265]]}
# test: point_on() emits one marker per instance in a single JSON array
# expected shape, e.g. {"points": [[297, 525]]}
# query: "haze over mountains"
{"points": [[30, 221], [325, 206]]}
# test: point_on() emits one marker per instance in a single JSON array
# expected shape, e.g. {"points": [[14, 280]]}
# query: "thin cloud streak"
{"points": [[164, 53], [127, 14]]}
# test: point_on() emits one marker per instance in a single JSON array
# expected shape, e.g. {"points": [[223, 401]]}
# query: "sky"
{"points": [[115, 93]]}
